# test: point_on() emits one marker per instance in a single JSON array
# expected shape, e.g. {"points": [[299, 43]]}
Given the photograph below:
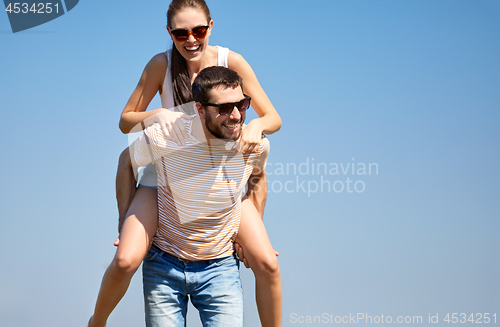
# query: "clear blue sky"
{"points": [[411, 87]]}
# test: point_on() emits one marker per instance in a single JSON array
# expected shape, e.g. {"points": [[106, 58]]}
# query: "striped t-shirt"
{"points": [[200, 186]]}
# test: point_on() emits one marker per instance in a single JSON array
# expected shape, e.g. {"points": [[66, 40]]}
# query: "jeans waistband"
{"points": [[209, 261]]}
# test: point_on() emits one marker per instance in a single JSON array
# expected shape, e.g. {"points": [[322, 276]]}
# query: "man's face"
{"points": [[224, 126]]}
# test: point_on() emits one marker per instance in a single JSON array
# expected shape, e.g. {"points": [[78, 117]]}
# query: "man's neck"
{"points": [[212, 140]]}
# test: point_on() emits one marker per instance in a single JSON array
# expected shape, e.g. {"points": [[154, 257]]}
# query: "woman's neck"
{"points": [[209, 59]]}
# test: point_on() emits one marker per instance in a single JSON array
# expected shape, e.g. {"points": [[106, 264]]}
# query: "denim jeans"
{"points": [[213, 286]]}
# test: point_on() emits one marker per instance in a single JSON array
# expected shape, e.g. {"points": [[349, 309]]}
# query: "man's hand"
{"points": [[241, 254]]}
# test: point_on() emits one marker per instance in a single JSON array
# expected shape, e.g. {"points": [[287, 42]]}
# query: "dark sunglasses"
{"points": [[228, 107], [182, 34]]}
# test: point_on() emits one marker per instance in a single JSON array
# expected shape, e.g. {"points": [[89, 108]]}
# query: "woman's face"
{"points": [[191, 49]]}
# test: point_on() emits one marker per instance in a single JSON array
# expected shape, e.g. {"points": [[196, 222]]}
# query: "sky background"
{"points": [[411, 87]]}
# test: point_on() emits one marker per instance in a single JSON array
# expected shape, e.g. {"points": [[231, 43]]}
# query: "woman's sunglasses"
{"points": [[182, 34], [228, 107]]}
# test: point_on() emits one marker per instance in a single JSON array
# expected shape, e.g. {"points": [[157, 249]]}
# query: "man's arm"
{"points": [[125, 186], [257, 193], [136, 155], [257, 189], [257, 183]]}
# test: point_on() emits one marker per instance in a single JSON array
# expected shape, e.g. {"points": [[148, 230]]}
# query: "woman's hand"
{"points": [[172, 126], [251, 136]]}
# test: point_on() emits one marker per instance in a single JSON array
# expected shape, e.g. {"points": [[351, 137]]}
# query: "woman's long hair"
{"points": [[181, 83]]}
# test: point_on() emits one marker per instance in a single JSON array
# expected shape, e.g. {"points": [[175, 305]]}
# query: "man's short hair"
{"points": [[212, 77]]}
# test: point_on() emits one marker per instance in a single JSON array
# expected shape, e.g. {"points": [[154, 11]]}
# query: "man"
{"points": [[200, 187]]}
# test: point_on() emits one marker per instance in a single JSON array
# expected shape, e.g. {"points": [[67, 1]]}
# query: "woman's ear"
{"points": [[170, 32], [210, 26]]}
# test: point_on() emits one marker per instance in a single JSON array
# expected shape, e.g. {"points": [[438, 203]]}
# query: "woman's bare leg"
{"points": [[259, 253], [135, 239]]}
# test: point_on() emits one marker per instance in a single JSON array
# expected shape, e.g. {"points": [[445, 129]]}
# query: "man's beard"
{"points": [[218, 130]]}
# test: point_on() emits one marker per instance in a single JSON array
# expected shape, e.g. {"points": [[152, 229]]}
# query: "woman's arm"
{"points": [[151, 82], [269, 120]]}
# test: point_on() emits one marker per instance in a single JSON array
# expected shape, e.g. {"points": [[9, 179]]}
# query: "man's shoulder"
{"points": [[155, 135], [189, 123], [264, 146]]}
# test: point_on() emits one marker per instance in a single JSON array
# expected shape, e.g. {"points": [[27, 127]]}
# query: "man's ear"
{"points": [[198, 108]]}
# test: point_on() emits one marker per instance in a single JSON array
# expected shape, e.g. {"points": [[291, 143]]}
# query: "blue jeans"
{"points": [[214, 287]]}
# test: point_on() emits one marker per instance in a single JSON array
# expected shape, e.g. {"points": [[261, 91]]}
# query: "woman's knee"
{"points": [[266, 266], [127, 261]]}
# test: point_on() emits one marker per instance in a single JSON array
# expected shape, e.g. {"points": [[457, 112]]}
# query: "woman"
{"points": [[189, 25]]}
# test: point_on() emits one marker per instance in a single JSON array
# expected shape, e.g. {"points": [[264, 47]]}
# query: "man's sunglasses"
{"points": [[228, 107], [182, 34]]}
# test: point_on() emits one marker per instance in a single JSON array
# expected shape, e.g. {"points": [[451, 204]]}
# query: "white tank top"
{"points": [[167, 98]]}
